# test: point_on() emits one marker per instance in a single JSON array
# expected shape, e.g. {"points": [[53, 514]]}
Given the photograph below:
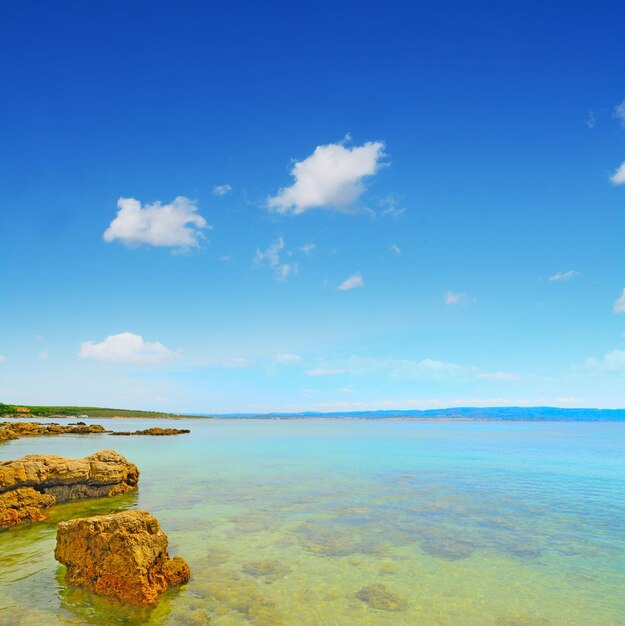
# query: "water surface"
{"points": [[287, 521]]}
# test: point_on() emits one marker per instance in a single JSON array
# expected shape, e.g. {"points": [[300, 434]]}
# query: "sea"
{"points": [[350, 521]]}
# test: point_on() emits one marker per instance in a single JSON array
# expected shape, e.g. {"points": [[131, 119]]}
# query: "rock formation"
{"points": [[35, 482], [153, 431], [15, 430], [123, 555]]}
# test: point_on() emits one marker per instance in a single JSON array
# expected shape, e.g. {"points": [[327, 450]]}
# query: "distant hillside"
{"points": [[75, 411], [508, 413]]}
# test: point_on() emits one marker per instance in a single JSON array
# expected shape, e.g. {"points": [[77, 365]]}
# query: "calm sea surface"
{"points": [[287, 521]]}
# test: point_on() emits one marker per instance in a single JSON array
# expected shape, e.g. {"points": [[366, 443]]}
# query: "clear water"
{"points": [[470, 523]]}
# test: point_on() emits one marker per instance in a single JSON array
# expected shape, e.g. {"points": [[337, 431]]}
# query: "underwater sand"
{"points": [[342, 522]]}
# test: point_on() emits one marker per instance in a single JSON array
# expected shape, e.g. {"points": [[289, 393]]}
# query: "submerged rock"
{"points": [[35, 482], [159, 432], [379, 597], [267, 568], [123, 555]]}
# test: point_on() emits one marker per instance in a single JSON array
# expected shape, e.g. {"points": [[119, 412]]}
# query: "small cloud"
{"points": [[564, 276], [271, 257], [307, 248], [2, 358], [613, 361], [500, 376], [454, 298], [395, 249], [225, 258], [43, 355], [353, 282], [619, 113], [175, 225], [288, 358], [235, 362], [390, 207], [221, 190], [569, 399], [126, 348], [325, 371], [347, 390], [618, 178], [591, 120], [330, 178], [619, 305]]}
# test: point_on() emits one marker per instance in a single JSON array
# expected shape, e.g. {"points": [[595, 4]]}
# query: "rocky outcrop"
{"points": [[153, 431], [24, 505], [15, 430], [105, 473], [123, 555]]}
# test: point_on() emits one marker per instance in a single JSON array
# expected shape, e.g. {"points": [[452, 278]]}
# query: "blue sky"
{"points": [[283, 206]]}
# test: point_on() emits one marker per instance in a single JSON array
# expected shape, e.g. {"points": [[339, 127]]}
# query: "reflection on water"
{"points": [[354, 522]]}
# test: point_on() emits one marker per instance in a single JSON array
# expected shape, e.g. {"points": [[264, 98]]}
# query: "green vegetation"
{"points": [[74, 411]]}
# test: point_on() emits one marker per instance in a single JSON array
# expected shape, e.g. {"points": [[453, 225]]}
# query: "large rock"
{"points": [[15, 430], [23, 505], [105, 473], [123, 555]]}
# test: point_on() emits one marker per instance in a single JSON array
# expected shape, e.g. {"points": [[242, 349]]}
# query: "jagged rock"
{"points": [[23, 505], [105, 473], [15, 430], [153, 431], [123, 555]]}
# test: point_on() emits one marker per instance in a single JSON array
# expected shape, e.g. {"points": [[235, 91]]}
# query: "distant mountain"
{"points": [[508, 413]]}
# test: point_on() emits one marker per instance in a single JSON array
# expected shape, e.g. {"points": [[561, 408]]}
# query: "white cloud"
{"points": [[353, 282], [619, 305], [500, 376], [2, 358], [395, 249], [591, 120], [619, 113], [325, 371], [390, 208], [288, 358], [44, 355], [453, 298], [307, 248], [271, 256], [618, 178], [175, 225], [126, 348], [332, 177], [225, 258], [613, 361], [564, 276], [221, 190]]}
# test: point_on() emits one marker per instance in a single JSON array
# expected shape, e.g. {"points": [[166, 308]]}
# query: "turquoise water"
{"points": [[287, 521]]}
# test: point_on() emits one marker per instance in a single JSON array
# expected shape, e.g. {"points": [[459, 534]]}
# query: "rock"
{"points": [[123, 555], [15, 430], [56, 479], [153, 431], [265, 567], [379, 597], [23, 505]]}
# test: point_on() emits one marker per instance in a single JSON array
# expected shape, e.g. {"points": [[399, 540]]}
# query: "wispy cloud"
{"points": [[619, 305], [591, 120], [330, 178], [560, 276], [450, 298], [2, 358], [307, 248], [613, 361], [395, 249], [44, 355], [271, 257], [288, 358], [325, 371], [390, 206], [126, 348], [174, 225], [221, 190], [353, 282], [500, 376], [619, 113], [618, 178]]}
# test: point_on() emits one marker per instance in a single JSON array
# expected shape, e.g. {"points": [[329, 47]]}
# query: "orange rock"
{"points": [[123, 555], [24, 505]]}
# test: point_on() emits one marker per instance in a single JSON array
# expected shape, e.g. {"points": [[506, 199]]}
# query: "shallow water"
{"points": [[299, 522]]}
